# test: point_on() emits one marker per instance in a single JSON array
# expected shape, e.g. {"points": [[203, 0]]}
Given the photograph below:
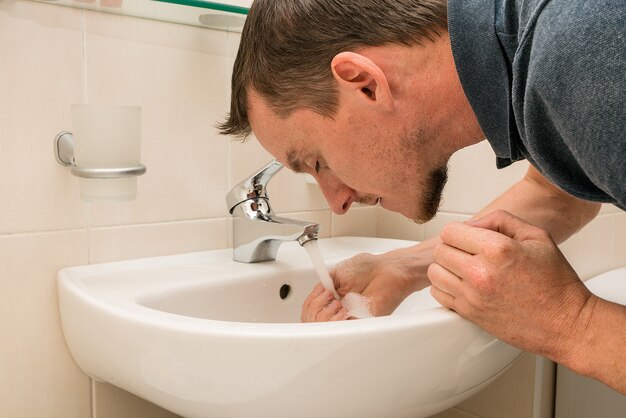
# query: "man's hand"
{"points": [[510, 278], [385, 279]]}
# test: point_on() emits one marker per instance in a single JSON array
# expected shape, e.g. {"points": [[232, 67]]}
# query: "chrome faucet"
{"points": [[257, 231]]}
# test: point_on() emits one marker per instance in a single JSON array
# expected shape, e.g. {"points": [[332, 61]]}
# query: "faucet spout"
{"points": [[257, 230]]}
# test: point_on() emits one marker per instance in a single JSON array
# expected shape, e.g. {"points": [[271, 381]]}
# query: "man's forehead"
{"points": [[283, 137], [258, 111]]}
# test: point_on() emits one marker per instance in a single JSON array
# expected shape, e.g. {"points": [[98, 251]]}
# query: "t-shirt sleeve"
{"points": [[574, 96]]}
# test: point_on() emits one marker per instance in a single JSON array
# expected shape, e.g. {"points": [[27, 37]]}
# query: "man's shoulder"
{"points": [[567, 91], [587, 24], [573, 47]]}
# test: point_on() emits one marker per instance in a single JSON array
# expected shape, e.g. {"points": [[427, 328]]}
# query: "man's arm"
{"points": [[506, 274], [510, 278], [601, 351], [387, 279], [537, 201], [533, 199]]}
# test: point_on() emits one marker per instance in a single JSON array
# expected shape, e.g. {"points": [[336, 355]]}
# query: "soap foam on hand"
{"points": [[357, 305]]}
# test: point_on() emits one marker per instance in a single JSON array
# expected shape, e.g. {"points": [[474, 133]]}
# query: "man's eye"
{"points": [[317, 167]]}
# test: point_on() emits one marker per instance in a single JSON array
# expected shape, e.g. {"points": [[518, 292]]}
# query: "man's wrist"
{"points": [[578, 352], [415, 263]]}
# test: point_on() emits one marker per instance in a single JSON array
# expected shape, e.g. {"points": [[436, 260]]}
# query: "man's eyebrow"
{"points": [[293, 163]]}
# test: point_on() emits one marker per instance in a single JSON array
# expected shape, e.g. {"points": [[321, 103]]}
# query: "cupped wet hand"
{"points": [[510, 278], [385, 280], [321, 306]]}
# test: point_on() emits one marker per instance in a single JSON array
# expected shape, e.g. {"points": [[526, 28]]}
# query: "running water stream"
{"points": [[357, 305], [313, 249]]}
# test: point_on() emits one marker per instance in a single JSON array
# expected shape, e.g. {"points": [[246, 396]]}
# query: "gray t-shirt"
{"points": [[547, 81]]}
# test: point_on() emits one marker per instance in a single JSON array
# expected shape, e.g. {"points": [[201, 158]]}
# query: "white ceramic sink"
{"points": [[203, 336]]}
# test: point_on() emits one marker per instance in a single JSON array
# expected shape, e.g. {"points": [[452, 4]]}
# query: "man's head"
{"points": [[361, 94], [287, 46]]}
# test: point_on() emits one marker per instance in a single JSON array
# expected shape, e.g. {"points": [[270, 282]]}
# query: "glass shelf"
{"points": [[227, 15]]}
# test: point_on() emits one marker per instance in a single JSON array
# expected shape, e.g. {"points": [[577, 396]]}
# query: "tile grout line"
{"points": [[93, 398], [41, 232], [85, 97], [163, 223]]}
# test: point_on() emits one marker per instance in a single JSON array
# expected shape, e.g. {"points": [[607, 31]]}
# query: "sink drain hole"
{"points": [[284, 291]]}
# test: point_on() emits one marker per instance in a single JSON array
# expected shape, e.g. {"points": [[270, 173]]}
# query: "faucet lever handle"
{"points": [[255, 186]]}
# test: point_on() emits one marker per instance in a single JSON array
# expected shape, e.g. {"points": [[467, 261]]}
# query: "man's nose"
{"points": [[338, 195]]}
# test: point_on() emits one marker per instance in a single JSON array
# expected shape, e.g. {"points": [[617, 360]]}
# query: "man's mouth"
{"points": [[369, 200]]}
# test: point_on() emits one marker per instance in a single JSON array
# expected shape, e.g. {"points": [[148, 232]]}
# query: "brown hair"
{"points": [[287, 46]]}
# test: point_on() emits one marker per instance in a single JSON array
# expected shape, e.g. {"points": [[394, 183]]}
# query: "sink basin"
{"points": [[610, 285], [203, 336]]}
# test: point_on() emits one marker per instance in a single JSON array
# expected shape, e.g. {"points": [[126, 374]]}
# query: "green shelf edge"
{"points": [[209, 5]]}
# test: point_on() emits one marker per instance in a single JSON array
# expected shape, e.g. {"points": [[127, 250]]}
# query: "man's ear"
{"points": [[359, 75]]}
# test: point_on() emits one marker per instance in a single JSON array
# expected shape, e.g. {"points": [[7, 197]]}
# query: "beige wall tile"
{"points": [[589, 251], [246, 158], [182, 87], [160, 34], [510, 395], [233, 45], [619, 241], [137, 241], [394, 225], [606, 209], [291, 192], [113, 402], [474, 180], [40, 75], [358, 222], [230, 232], [39, 377]]}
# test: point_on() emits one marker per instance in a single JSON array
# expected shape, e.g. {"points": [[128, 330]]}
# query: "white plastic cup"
{"points": [[107, 137]]}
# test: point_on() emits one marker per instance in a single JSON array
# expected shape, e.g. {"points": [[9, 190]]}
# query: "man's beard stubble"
{"points": [[430, 199], [428, 202]]}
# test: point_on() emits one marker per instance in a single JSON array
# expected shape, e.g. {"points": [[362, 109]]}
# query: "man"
{"points": [[372, 97]]}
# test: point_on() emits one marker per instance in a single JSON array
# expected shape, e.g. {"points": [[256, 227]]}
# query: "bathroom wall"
{"points": [[52, 57]]}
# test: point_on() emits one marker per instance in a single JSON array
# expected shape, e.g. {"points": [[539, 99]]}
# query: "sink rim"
{"points": [[133, 308], [130, 303]]}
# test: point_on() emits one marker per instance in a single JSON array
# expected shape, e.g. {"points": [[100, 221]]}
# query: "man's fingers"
{"points": [[505, 223], [445, 299], [496, 228], [307, 302], [341, 315], [452, 259], [329, 311], [444, 279], [469, 238], [314, 303]]}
